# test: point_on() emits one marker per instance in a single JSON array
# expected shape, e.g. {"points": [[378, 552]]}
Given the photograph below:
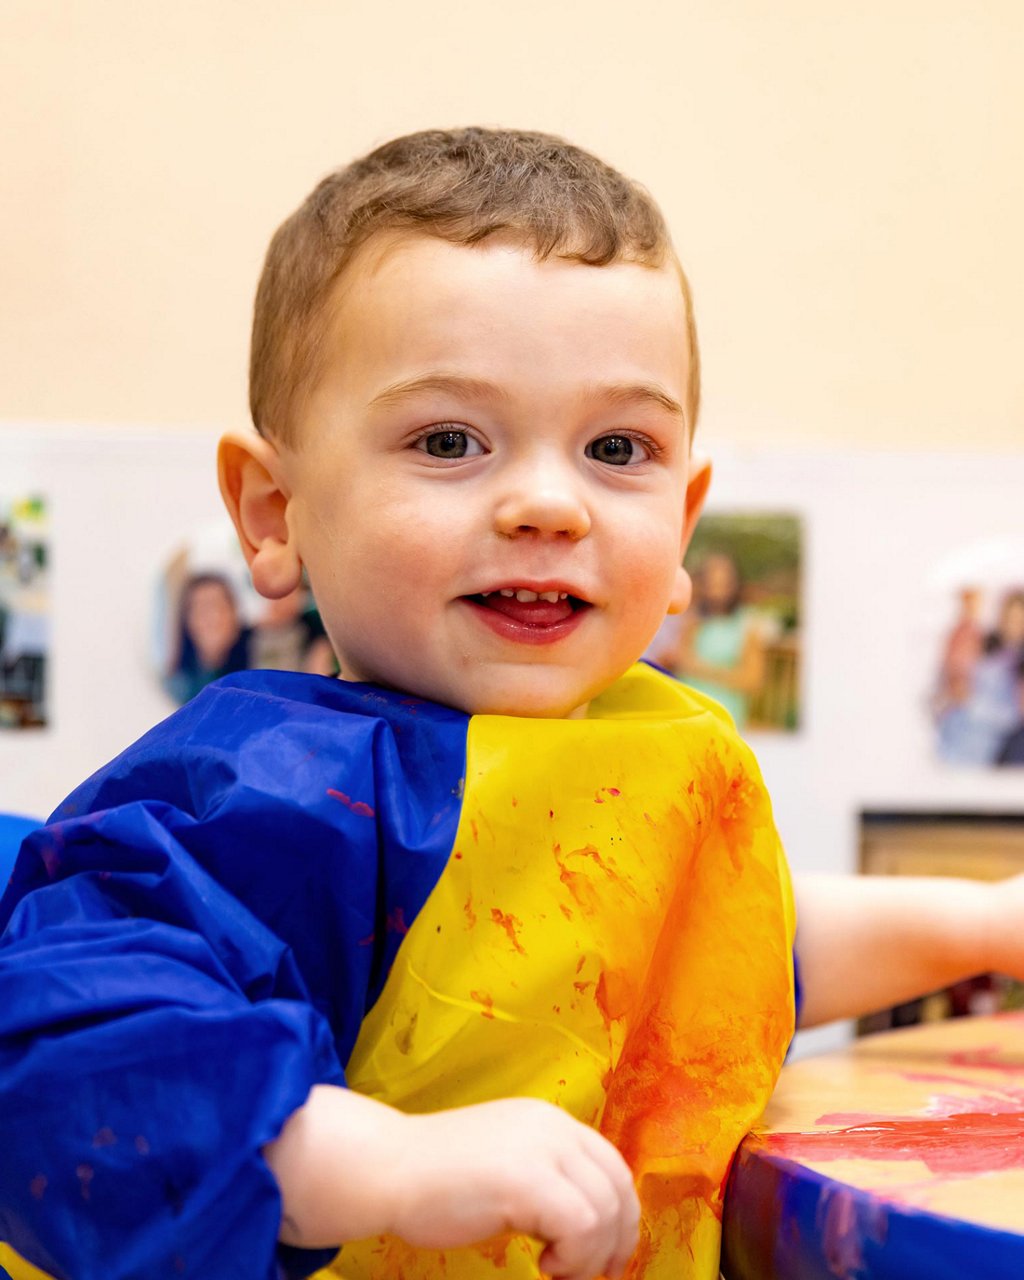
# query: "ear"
{"points": [[249, 470], [697, 485]]}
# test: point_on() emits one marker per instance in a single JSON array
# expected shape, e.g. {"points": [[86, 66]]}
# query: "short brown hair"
{"points": [[461, 185]]}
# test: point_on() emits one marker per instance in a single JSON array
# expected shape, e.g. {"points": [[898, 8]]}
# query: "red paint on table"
{"points": [[959, 1144]]}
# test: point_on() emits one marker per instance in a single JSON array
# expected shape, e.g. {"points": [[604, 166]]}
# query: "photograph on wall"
{"points": [[976, 701], [24, 611], [740, 640], [211, 622]]}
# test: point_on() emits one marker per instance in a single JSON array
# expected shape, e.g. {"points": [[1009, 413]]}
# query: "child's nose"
{"points": [[543, 499]]}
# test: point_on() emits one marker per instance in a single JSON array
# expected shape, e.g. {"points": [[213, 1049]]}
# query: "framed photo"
{"points": [[24, 611], [212, 623], [976, 700], [740, 640]]}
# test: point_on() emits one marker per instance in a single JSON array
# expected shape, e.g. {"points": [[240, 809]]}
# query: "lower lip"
{"points": [[524, 632]]}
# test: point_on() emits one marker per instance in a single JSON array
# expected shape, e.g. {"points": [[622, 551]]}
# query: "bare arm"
{"points": [[865, 942], [349, 1167]]}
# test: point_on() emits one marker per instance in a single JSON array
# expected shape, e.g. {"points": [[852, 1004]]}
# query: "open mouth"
{"points": [[524, 614]]}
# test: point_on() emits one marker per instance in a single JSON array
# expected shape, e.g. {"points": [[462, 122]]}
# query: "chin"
{"points": [[532, 701]]}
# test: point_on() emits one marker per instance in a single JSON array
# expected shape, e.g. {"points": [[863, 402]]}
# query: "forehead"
{"points": [[411, 304]]}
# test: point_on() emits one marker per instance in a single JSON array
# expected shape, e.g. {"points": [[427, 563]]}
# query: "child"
{"points": [[498, 866]]}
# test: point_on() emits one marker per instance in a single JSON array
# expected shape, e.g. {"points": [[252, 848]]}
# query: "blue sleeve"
{"points": [[154, 1035], [191, 944]]}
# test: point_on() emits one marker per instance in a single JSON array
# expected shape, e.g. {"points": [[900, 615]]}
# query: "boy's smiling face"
{"points": [[491, 487]]}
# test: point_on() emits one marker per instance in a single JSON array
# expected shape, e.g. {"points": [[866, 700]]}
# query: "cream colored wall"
{"points": [[845, 182]]}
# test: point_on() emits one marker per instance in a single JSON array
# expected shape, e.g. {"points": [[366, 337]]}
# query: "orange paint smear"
{"points": [[482, 998], [510, 924], [614, 996]]}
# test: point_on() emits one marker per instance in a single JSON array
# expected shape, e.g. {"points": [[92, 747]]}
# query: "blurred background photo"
{"points": [[739, 641], [977, 700], [210, 622], [24, 611]]}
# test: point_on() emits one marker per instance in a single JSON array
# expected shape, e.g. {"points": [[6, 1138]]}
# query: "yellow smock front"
{"points": [[613, 933]]}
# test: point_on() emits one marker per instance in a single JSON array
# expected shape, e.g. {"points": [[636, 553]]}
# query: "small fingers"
{"points": [[608, 1159], [603, 1235], [572, 1227]]}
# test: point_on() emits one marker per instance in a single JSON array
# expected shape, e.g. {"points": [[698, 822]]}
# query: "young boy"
{"points": [[521, 895]]}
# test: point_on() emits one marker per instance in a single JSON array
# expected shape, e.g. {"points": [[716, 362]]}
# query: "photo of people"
{"points": [[212, 623], [739, 641], [24, 611], [978, 700]]}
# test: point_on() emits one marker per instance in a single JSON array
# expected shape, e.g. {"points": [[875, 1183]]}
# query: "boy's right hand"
{"points": [[350, 1167], [517, 1165]]}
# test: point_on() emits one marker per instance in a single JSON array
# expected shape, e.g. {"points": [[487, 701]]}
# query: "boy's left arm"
{"points": [[866, 942]]}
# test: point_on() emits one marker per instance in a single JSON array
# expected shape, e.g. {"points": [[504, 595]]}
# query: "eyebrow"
{"points": [[462, 386], [628, 393], [466, 387]]}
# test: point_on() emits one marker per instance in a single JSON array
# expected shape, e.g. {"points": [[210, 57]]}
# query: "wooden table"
{"points": [[901, 1157]]}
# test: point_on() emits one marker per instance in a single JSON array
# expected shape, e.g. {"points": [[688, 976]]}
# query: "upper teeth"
{"points": [[527, 597]]}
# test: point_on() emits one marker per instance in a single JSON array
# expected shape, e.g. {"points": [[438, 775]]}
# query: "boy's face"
{"points": [[491, 489]]}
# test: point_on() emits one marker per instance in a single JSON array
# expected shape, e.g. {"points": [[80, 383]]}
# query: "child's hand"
{"points": [[523, 1166], [349, 1167]]}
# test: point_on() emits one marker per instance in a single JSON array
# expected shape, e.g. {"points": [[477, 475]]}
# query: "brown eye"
{"points": [[450, 445], [617, 451]]}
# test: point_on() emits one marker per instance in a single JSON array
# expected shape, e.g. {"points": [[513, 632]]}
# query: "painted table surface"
{"points": [[901, 1156]]}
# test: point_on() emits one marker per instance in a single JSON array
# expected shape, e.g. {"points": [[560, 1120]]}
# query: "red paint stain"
{"points": [[581, 987], [467, 907], [511, 924], [104, 1138], [473, 829], [956, 1145], [495, 1251], [580, 963], [487, 1001], [614, 996], [37, 1187], [357, 806], [458, 855], [84, 1172], [991, 1057], [1001, 1102], [396, 922], [368, 941], [566, 911], [515, 803]]}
